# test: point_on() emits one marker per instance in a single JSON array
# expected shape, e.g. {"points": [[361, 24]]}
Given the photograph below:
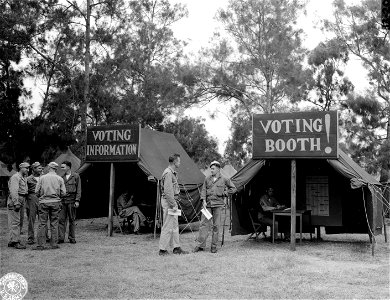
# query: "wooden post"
{"points": [[293, 203], [111, 199], [157, 207]]}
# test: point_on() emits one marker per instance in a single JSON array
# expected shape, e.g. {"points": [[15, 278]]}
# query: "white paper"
{"points": [[206, 213], [173, 212]]}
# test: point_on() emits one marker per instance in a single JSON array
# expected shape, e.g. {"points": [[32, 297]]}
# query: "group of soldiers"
{"points": [[54, 199]]}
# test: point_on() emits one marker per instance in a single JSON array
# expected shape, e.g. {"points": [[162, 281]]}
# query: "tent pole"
{"points": [[293, 203], [157, 204], [111, 199]]}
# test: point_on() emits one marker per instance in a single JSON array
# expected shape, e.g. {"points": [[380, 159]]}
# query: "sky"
{"points": [[197, 30], [199, 27]]}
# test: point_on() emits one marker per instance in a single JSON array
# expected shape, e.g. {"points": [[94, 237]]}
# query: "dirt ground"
{"points": [[128, 267]]}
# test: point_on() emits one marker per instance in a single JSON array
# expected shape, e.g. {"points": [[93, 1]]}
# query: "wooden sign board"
{"points": [[113, 143], [295, 135]]}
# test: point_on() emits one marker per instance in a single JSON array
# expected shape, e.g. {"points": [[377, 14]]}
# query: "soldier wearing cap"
{"points": [[215, 188], [32, 200], [16, 200], [50, 188], [170, 195]]}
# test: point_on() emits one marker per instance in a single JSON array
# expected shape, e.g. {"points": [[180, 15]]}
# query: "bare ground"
{"points": [[128, 267]]}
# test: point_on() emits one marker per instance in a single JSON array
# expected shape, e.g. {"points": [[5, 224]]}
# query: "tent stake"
{"points": [[111, 199], [293, 203]]}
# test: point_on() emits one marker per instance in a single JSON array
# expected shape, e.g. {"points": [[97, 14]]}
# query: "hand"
{"points": [[16, 207], [76, 204], [174, 208], [204, 203]]}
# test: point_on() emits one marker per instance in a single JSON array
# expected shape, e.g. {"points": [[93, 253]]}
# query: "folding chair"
{"points": [[256, 225], [123, 220]]}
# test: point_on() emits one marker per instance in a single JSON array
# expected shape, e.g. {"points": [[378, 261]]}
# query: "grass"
{"points": [[128, 267]]}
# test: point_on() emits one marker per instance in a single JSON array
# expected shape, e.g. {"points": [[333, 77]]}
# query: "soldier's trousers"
{"points": [[170, 229], [48, 211], [68, 212], [205, 225], [32, 204], [14, 224]]}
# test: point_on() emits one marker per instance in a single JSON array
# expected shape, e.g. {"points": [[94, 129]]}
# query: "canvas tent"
{"points": [[349, 193], [142, 178], [4, 170], [69, 156]]}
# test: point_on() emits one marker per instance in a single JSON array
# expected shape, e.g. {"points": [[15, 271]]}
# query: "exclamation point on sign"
{"points": [[327, 128]]}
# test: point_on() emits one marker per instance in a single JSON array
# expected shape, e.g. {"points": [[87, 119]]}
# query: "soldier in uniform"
{"points": [[170, 195], [50, 188], [16, 200], [32, 200], [215, 189], [70, 202]]}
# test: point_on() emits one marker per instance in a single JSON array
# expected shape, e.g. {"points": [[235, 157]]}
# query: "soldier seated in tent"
{"points": [[267, 204], [129, 210]]}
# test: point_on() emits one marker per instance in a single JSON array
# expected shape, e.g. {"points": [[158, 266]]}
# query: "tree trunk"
{"points": [[84, 105]]}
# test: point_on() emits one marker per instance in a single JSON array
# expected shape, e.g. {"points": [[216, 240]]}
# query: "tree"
{"points": [[326, 62], [16, 30], [133, 69], [193, 136], [364, 122], [256, 62], [358, 28]]}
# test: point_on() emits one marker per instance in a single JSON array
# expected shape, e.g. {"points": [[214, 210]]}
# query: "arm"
{"points": [[13, 190], [78, 192], [38, 188], [129, 203], [62, 188], [168, 189], [264, 205], [231, 189], [203, 193]]}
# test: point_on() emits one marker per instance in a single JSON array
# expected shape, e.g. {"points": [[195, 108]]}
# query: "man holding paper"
{"points": [[215, 188], [170, 194]]}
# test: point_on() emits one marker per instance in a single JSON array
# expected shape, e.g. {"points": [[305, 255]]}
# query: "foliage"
{"points": [[193, 136], [364, 123], [358, 28], [15, 35], [329, 84], [256, 62], [134, 70]]}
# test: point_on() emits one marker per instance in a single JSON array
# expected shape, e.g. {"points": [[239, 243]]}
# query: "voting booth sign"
{"points": [[295, 135], [113, 143]]}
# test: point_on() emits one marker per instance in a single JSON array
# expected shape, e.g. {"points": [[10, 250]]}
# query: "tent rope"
{"points": [[368, 223]]}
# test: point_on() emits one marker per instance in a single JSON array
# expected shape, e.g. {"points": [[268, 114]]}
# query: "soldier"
{"points": [[16, 200], [50, 188], [170, 195], [70, 202], [213, 193], [32, 200]]}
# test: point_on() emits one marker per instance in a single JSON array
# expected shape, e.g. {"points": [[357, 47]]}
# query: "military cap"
{"points": [[215, 163], [36, 164], [24, 165], [53, 165]]}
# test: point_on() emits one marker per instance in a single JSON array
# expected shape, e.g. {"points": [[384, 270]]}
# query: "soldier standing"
{"points": [[214, 190], [32, 200], [16, 200], [70, 202], [170, 195], [50, 188]]}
